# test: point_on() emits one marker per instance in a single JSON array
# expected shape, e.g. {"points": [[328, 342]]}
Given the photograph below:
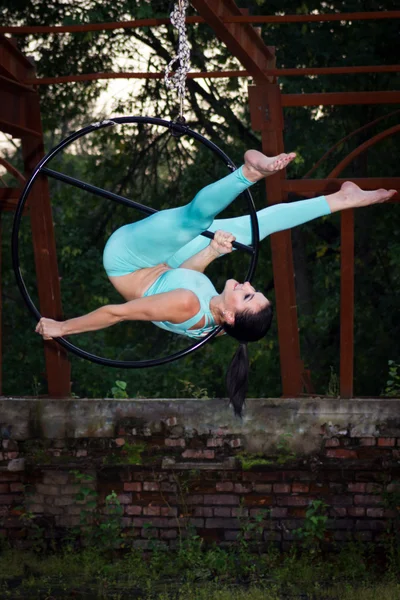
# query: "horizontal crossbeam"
{"points": [[255, 19], [16, 87], [9, 199], [218, 74], [16, 129], [92, 189], [337, 98]]}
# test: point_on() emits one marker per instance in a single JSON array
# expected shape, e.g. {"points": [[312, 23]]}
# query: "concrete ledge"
{"points": [[265, 421]]}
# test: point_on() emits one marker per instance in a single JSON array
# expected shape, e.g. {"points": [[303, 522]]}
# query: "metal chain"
{"points": [[177, 81]]}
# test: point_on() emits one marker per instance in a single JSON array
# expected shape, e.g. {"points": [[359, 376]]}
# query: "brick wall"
{"points": [[168, 475]]}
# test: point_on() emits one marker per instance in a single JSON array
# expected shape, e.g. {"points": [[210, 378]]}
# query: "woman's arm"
{"points": [[176, 306], [221, 244]]}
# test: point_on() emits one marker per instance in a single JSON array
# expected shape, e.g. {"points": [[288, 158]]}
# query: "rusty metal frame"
{"points": [[237, 18], [266, 110], [20, 117]]}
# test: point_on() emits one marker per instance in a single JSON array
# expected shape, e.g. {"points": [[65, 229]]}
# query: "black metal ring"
{"points": [[134, 364]]}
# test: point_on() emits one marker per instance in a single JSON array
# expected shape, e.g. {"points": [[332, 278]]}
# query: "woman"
{"points": [[157, 265]]}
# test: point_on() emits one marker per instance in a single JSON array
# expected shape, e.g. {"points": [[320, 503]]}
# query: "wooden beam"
{"points": [[1, 312], [12, 85], [240, 39], [347, 304], [17, 131], [10, 194], [217, 74], [13, 63], [336, 98], [251, 19], [13, 114], [9, 199], [11, 169], [267, 117], [58, 369]]}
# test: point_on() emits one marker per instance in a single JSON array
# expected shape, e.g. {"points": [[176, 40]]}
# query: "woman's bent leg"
{"points": [[155, 239]]}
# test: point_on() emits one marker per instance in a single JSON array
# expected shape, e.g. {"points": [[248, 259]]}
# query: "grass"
{"points": [[191, 573]]}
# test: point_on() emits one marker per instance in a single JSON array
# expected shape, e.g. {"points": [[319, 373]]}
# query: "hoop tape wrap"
{"points": [[41, 169]]}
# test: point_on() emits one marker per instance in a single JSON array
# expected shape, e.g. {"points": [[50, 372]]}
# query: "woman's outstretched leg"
{"points": [[285, 216], [157, 238]]}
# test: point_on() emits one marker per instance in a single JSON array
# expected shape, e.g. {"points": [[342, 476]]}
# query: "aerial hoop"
{"points": [[176, 129]]}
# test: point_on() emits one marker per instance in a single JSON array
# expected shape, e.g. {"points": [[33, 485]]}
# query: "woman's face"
{"points": [[242, 296]]}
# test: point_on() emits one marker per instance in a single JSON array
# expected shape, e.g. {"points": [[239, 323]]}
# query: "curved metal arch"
{"points": [[344, 139], [362, 148], [178, 129]]}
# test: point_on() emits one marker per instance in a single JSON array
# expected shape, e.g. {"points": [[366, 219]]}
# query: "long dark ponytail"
{"points": [[248, 327]]}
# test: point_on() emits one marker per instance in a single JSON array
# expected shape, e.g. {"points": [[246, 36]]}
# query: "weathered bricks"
{"points": [[300, 488], [341, 453], [239, 488], [151, 486], [375, 513], [370, 524], [293, 500], [258, 500], [222, 524], [264, 476], [175, 442], [9, 499], [281, 488], [169, 534], [222, 512], [332, 443], [214, 497], [358, 488], [367, 441], [17, 487], [221, 499], [224, 486], [55, 478], [279, 512], [64, 501], [133, 510], [367, 499], [124, 498], [262, 488], [215, 443], [386, 442], [340, 511], [199, 454], [169, 511], [133, 486], [203, 511], [356, 511]]}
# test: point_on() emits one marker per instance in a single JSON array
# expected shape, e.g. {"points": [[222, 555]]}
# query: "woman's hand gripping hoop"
{"points": [[222, 242], [42, 169]]}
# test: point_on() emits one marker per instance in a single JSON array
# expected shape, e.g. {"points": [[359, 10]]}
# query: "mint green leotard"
{"points": [[173, 236]]}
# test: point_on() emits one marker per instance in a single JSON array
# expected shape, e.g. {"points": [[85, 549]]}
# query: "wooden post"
{"points": [[57, 365], [347, 305], [1, 314], [267, 117]]}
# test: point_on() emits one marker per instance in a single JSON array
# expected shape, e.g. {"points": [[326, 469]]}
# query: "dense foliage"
{"points": [[145, 164]]}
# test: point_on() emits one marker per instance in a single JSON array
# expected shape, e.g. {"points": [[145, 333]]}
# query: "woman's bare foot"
{"points": [[351, 196], [257, 165]]}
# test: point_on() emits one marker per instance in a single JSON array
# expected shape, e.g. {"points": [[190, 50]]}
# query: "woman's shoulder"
{"points": [[188, 300]]}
